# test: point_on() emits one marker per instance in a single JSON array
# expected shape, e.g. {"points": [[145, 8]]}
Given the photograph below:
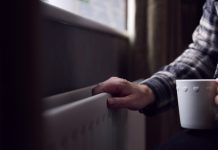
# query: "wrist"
{"points": [[149, 95]]}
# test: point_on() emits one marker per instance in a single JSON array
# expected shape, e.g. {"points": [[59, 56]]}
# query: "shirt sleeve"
{"points": [[199, 60]]}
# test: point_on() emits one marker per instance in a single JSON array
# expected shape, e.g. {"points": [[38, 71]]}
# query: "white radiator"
{"points": [[77, 120]]}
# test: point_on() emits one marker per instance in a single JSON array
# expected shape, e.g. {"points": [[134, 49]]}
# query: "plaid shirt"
{"points": [[199, 60]]}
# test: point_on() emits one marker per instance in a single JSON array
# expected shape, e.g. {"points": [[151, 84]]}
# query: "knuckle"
{"points": [[118, 81], [123, 82]]}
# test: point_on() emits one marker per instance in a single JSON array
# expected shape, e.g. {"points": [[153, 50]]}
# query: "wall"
{"points": [[20, 115], [76, 57]]}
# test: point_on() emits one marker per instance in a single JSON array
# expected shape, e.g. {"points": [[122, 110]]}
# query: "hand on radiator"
{"points": [[125, 94]]}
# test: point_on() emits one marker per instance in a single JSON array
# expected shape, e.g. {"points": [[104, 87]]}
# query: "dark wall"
{"points": [[70, 58], [76, 57], [20, 123]]}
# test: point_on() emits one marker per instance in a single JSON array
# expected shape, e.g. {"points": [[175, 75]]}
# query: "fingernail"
{"points": [[108, 105], [93, 91]]}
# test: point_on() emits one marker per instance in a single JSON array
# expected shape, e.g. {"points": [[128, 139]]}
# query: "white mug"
{"points": [[197, 109]]}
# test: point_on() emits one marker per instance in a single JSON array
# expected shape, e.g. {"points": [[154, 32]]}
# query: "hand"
{"points": [[216, 98], [125, 94]]}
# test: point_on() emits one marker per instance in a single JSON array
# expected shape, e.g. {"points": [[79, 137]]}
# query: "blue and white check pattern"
{"points": [[199, 60]]}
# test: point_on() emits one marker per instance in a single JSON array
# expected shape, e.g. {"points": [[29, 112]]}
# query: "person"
{"points": [[158, 92]]}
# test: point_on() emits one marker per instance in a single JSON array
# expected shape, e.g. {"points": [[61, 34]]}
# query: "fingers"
{"points": [[117, 102], [115, 86], [125, 94], [112, 86], [104, 87]]}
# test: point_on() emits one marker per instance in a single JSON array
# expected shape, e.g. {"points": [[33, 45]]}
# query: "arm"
{"points": [[159, 91], [198, 61]]}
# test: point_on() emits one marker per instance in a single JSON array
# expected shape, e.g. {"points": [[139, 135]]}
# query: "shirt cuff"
{"points": [[164, 91]]}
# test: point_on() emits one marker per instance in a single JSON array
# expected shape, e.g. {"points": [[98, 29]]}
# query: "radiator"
{"points": [[76, 120]]}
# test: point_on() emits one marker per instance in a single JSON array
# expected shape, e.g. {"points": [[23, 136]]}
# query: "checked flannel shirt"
{"points": [[199, 60]]}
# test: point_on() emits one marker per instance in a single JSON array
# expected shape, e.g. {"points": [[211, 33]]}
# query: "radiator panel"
{"points": [[87, 124]]}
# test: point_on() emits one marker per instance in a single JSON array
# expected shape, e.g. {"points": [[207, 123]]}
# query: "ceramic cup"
{"points": [[197, 109]]}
